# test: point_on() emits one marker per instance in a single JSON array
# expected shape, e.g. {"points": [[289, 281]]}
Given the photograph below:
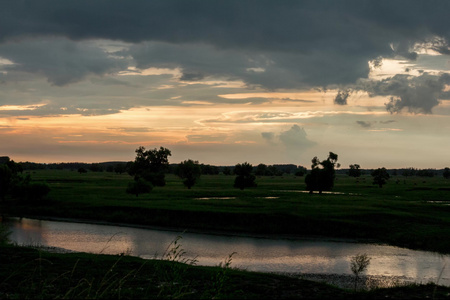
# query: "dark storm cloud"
{"points": [[61, 61], [445, 95], [294, 43], [286, 69], [364, 124], [232, 23], [341, 97], [269, 136], [416, 94], [370, 124], [192, 77], [196, 60]]}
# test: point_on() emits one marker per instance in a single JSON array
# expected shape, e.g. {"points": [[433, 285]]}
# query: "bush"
{"points": [[30, 192], [190, 171], [242, 182], [4, 233], [244, 178], [139, 186], [37, 191], [380, 176]]}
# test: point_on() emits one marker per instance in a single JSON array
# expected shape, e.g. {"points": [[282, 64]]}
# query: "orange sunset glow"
{"points": [[222, 93]]}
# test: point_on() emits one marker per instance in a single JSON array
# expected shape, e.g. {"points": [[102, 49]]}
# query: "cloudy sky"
{"points": [[224, 82]]}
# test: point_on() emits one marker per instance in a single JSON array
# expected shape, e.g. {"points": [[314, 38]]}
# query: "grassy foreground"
{"points": [[413, 212], [28, 273]]}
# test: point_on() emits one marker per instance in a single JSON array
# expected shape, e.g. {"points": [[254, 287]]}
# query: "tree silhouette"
{"points": [[120, 168], [190, 171], [261, 170], [322, 175], [6, 176], [446, 173], [18, 186], [354, 170], [264, 170], [226, 171], [150, 165], [244, 178], [359, 264], [380, 176]]}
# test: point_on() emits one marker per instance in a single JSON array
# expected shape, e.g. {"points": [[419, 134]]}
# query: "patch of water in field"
{"points": [[215, 198], [316, 192], [306, 256], [230, 198]]}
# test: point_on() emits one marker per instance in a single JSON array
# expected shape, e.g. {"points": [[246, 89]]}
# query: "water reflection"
{"points": [[253, 254], [323, 192]]}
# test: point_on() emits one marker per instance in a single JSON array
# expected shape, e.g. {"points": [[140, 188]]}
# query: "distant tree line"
{"points": [[279, 170], [417, 172], [150, 166], [207, 169]]}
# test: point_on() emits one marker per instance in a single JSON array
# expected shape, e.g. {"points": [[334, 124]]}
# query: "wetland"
{"points": [[410, 214]]}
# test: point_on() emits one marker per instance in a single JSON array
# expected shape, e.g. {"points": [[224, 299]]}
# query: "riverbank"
{"points": [[365, 282], [29, 273], [301, 259], [343, 281], [405, 215]]}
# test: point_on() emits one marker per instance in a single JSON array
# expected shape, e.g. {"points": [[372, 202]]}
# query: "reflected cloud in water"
{"points": [[253, 254]]}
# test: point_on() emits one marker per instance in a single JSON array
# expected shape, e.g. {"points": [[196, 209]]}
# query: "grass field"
{"points": [[412, 212]]}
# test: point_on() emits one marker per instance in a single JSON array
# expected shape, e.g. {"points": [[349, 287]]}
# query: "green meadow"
{"points": [[411, 212], [408, 211]]}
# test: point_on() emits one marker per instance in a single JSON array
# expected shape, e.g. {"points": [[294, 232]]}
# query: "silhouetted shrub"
{"points": [[139, 186]]}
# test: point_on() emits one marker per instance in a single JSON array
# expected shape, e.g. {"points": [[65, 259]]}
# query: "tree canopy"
{"points": [[190, 171], [244, 178], [380, 176], [322, 175], [20, 187], [150, 165], [354, 170], [148, 169]]}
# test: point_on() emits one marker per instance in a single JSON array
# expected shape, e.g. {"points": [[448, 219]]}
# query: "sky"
{"points": [[226, 82]]}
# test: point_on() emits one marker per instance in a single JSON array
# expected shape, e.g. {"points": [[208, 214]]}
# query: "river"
{"points": [[294, 256]]}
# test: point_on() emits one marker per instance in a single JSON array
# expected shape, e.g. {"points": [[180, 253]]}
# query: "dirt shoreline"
{"points": [[365, 282]]}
